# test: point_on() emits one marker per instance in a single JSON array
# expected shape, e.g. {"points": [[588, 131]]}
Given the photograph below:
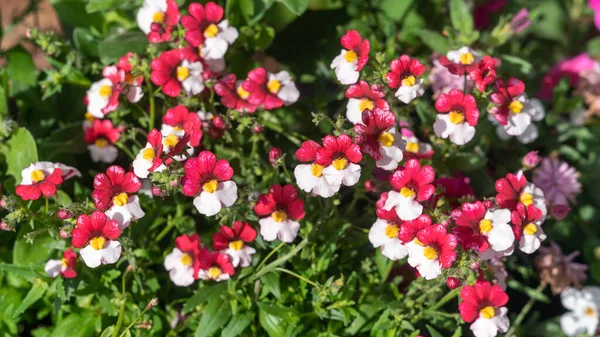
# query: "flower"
{"points": [[412, 185], [571, 67], [409, 229], [378, 138], [520, 21], [403, 75], [135, 91], [559, 212], [513, 110], [414, 147], [433, 250], [103, 95], [269, 90], [157, 18], [484, 73], [274, 155], [177, 147], [483, 304], [64, 266], [461, 61], [309, 177], [216, 266], [531, 160], [233, 242], [483, 11], [558, 181], [43, 178], [113, 193], [149, 159], [515, 188], [284, 209], [583, 306], [361, 96], [205, 29], [457, 117], [212, 178], [384, 234], [101, 137], [339, 155], [183, 263], [352, 58], [443, 81], [175, 70], [453, 282], [527, 227], [233, 95], [179, 121], [588, 88], [559, 270], [99, 236]]}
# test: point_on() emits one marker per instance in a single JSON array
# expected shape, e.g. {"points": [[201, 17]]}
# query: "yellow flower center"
{"points": [[386, 139], [211, 31], [418, 242], [274, 86], [98, 242], [89, 117], [485, 226], [148, 154], [186, 260], [171, 141], [466, 58], [340, 164], [407, 192], [350, 56], [409, 81], [391, 231], [589, 311], [236, 245], [430, 253], [121, 199], [456, 117], [530, 229], [365, 104], [279, 216], [211, 186], [214, 272], [412, 147], [242, 93], [64, 262], [316, 170], [101, 142], [526, 199], [177, 128], [516, 107], [487, 312], [37, 176], [158, 17], [183, 73], [105, 91]]}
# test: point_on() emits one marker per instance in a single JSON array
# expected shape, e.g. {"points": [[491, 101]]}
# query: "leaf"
{"points": [[323, 5], [74, 14], [460, 15], [35, 293], [20, 67], [466, 161], [264, 37], [108, 332], [395, 9], [65, 140], [274, 319], [271, 283], [202, 296], [214, 317], [101, 5], [3, 103], [433, 332], [434, 40], [593, 47], [115, 46], [22, 151], [85, 42], [296, 6], [36, 253], [516, 64], [237, 325], [76, 325], [239, 12], [458, 332], [26, 271]]}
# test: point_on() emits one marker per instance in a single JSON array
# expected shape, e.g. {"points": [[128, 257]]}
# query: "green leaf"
{"points": [[214, 317], [115, 46], [460, 15], [434, 40], [85, 41], [74, 14], [275, 319], [395, 9], [466, 161], [3, 103], [35, 293], [271, 283], [108, 332], [433, 332], [324, 5], [593, 47], [76, 325], [20, 67], [458, 332], [239, 12], [22, 151], [202, 296], [36, 253], [26, 271], [263, 38], [516, 64], [101, 5], [237, 325], [296, 6]]}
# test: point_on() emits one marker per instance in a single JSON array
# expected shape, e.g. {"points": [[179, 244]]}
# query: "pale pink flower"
{"points": [[531, 160], [557, 180]]}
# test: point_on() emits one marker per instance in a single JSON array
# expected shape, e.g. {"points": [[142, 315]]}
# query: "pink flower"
{"points": [[531, 160], [595, 6], [568, 67], [558, 180], [520, 21]]}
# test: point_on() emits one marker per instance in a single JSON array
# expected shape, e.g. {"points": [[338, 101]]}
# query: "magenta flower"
{"points": [[531, 160], [520, 21], [595, 6], [568, 67], [558, 180]]}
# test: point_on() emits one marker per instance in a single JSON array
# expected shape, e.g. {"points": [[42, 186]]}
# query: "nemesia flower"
{"points": [[204, 29], [97, 236], [113, 193], [384, 234], [571, 67], [457, 117], [216, 266], [174, 70], [269, 90], [43, 178], [283, 209], [309, 177], [134, 84], [409, 229], [403, 75], [64, 267], [520, 21], [361, 96], [177, 147], [515, 188], [183, 263], [233, 242], [461, 61], [101, 137], [558, 181], [157, 18], [274, 155], [432, 250], [483, 304], [513, 110], [558, 270], [233, 95], [377, 137], [209, 181], [412, 185], [583, 306], [531, 132], [352, 58], [484, 73], [339, 157], [443, 81], [414, 147], [178, 121], [149, 159], [103, 95], [531, 160], [528, 227]]}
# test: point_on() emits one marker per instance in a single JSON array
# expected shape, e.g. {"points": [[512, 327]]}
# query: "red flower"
{"points": [[181, 119], [403, 71], [114, 187], [233, 96], [125, 65], [370, 96], [282, 200], [352, 41], [94, 226], [70, 260], [374, 131], [455, 188], [191, 245], [205, 172], [161, 31], [459, 106], [216, 264], [155, 140], [338, 151], [522, 217], [260, 93], [42, 182], [467, 230], [202, 21], [414, 180], [409, 229], [165, 69], [241, 233], [482, 299], [101, 133], [509, 190], [484, 73], [308, 151], [505, 98], [457, 68], [117, 77], [443, 243]]}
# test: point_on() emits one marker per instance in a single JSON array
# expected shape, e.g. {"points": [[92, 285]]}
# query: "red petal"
{"points": [[468, 311], [197, 12], [307, 151], [28, 192], [351, 40], [497, 296], [214, 12], [48, 189], [246, 233]]}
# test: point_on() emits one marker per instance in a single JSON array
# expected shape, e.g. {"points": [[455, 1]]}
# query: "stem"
{"points": [[165, 231], [445, 299], [152, 110], [465, 85], [134, 321], [122, 308], [126, 150], [297, 275], [46, 206], [525, 310], [269, 255]]}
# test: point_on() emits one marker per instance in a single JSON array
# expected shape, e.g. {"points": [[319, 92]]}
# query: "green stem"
{"points": [[269, 255], [126, 150], [525, 310], [122, 308], [152, 110], [297, 275], [46, 206], [134, 321], [449, 296]]}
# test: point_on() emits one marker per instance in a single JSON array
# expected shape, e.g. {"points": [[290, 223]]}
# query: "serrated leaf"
{"points": [[215, 316], [434, 40], [35, 293], [22, 151], [237, 325]]}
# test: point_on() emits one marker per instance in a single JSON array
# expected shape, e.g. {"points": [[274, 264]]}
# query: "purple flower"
{"points": [[531, 160], [520, 21], [558, 180], [442, 81]]}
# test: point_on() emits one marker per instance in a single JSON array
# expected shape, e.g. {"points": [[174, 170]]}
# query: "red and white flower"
{"points": [[414, 147], [97, 236], [432, 250], [233, 242], [103, 95], [412, 185], [179, 121], [410, 228], [216, 266], [352, 58], [513, 109], [339, 155], [134, 84], [157, 19], [64, 266], [583, 315], [515, 189], [204, 29], [43, 178], [531, 133], [209, 181], [174, 70], [527, 221], [149, 159], [283, 209], [483, 304], [233, 95], [485, 73], [361, 96], [269, 90], [114, 194], [457, 117], [309, 177], [377, 137], [101, 137], [183, 263], [403, 75], [461, 61], [384, 234]]}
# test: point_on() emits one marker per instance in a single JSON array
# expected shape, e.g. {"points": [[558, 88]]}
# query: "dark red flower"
{"points": [[338, 151], [70, 261], [215, 265], [522, 217], [114, 187], [505, 98], [411, 179], [444, 244], [409, 229], [201, 21], [167, 71], [467, 229], [94, 226], [459, 106], [241, 233], [370, 96], [373, 133], [181, 119], [510, 189]]}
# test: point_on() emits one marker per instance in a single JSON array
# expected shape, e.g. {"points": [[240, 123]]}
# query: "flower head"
{"points": [[414, 147], [377, 137], [583, 315], [183, 263], [216, 266], [157, 18], [269, 90], [559, 270], [309, 177], [179, 121], [97, 236], [352, 58], [233, 95], [339, 157], [484, 73], [64, 266], [403, 75], [103, 95], [149, 159], [101, 137], [39, 178], [281, 210], [484, 304], [361, 96], [515, 188], [558, 181], [443, 81], [204, 29], [412, 185], [176, 70], [461, 61], [114, 193], [432, 250], [527, 221], [233, 242], [385, 234], [531, 160], [457, 117]]}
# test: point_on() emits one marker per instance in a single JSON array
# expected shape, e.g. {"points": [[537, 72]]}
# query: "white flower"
{"points": [[532, 237], [103, 152], [214, 196], [125, 209], [98, 97], [143, 162], [464, 56], [456, 128], [489, 327], [345, 66], [521, 124], [583, 311], [150, 12], [384, 234], [100, 251], [407, 207], [282, 85], [496, 228], [218, 39], [424, 260], [240, 253], [310, 179], [53, 268], [180, 267], [278, 226], [342, 172], [391, 148], [410, 90], [190, 76]]}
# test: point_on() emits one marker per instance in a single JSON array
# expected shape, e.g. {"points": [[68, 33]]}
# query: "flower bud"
{"points": [[520, 21], [153, 302], [531, 160], [157, 192], [370, 186], [64, 233], [474, 265], [218, 122], [453, 282], [6, 227], [559, 212], [2, 202], [274, 155], [489, 203], [174, 183], [257, 128], [64, 214], [446, 222]]}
